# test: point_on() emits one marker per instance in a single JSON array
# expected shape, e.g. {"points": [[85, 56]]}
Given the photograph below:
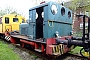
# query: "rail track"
{"points": [[27, 54]]}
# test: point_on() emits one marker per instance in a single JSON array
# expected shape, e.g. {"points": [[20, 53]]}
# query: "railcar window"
{"points": [[69, 14], [62, 11], [15, 19], [7, 20], [54, 9], [0, 20], [23, 21]]}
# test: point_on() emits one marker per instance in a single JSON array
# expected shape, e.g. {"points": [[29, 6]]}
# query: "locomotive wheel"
{"points": [[27, 46], [2, 36], [22, 45]]}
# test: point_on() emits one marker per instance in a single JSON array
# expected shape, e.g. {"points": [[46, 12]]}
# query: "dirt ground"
{"points": [[26, 55]]}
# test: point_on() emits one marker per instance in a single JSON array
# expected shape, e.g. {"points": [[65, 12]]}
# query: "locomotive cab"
{"points": [[10, 23], [45, 20]]}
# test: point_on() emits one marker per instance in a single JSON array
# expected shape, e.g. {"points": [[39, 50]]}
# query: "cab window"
{"points": [[6, 20], [0, 20], [23, 21], [15, 19]]}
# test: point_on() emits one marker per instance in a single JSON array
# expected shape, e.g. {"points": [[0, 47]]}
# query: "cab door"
{"points": [[7, 26], [32, 15], [1, 25], [15, 23]]}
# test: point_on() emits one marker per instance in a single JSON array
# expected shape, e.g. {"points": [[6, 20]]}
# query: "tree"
{"points": [[36, 2], [2, 13], [78, 4], [8, 10]]}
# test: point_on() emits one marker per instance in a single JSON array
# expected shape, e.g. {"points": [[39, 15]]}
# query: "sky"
{"points": [[22, 6]]}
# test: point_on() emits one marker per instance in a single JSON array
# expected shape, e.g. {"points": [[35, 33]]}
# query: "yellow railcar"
{"points": [[10, 22]]}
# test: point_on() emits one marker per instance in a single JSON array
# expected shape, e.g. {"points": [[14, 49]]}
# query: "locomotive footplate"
{"points": [[27, 39]]}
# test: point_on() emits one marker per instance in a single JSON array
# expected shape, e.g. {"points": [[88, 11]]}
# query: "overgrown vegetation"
{"points": [[78, 34], [7, 53], [74, 4]]}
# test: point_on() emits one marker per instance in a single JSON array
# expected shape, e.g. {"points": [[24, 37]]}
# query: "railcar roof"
{"points": [[41, 5]]}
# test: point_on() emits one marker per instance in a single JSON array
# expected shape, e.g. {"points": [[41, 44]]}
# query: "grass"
{"points": [[7, 53], [76, 50]]}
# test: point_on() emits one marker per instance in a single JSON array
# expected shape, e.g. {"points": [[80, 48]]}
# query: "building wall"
{"points": [[78, 20]]}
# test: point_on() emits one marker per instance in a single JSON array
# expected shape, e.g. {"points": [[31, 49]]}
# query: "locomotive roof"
{"points": [[41, 5], [45, 4]]}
